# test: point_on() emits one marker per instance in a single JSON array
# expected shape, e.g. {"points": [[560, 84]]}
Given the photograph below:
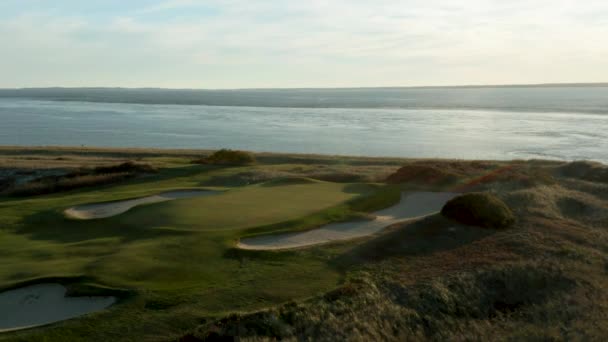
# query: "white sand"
{"points": [[108, 209], [43, 304], [412, 205]]}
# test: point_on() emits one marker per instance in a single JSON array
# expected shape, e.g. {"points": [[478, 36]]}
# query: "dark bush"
{"points": [[49, 186], [229, 157], [479, 209], [339, 177], [129, 166], [78, 178], [6, 183]]}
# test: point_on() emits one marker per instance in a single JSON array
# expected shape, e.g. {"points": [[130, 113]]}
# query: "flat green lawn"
{"points": [[240, 208], [178, 256]]}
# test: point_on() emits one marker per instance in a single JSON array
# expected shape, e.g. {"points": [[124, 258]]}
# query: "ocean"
{"points": [[561, 123]]}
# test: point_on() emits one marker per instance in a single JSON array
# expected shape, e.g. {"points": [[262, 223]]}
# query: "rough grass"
{"points": [[479, 209], [438, 173], [468, 176], [559, 202], [465, 305], [330, 173]]}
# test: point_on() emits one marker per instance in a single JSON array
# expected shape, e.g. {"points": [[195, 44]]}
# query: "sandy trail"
{"points": [[108, 209], [42, 304], [412, 205]]}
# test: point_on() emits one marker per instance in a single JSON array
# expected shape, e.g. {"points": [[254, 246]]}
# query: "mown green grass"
{"points": [[176, 256]]}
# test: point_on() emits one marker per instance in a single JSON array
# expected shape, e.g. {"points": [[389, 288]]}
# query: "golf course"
{"points": [[192, 245]]}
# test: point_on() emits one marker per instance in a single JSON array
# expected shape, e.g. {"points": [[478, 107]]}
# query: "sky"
{"points": [[218, 44]]}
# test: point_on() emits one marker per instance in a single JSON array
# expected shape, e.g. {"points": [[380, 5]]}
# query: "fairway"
{"points": [[175, 254]]}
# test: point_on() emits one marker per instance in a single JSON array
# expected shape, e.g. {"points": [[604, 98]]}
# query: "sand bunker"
{"points": [[42, 304], [108, 209], [412, 205]]}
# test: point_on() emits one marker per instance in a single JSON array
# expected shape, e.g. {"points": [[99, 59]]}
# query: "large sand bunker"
{"points": [[108, 209], [412, 205], [42, 304]]}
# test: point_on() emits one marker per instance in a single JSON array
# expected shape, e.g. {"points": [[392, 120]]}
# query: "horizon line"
{"points": [[514, 85]]}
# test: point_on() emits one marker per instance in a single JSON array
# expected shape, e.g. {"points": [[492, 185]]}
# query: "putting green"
{"points": [[242, 208]]}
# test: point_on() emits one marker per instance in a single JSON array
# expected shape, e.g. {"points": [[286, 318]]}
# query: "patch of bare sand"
{"points": [[412, 205], [109, 209]]}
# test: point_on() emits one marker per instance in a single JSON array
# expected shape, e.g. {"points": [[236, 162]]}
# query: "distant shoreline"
{"points": [[134, 152], [516, 85], [542, 98]]}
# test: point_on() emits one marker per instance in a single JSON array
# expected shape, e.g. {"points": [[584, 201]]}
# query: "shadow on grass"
{"points": [[53, 226]]}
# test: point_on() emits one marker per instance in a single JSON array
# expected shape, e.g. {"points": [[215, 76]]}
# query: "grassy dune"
{"points": [[427, 279]]}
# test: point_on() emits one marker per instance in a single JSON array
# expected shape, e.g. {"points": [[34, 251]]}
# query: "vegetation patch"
{"points": [[514, 175], [364, 310], [127, 167], [229, 158], [6, 183], [290, 181], [340, 177], [49, 186], [79, 178], [590, 171], [479, 209], [425, 174], [557, 202]]}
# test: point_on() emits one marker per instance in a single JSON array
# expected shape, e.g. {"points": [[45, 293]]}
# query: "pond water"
{"points": [[42, 304]]}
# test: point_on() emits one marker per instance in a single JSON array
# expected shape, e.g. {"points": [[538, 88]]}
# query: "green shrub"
{"points": [[229, 157], [479, 209]]}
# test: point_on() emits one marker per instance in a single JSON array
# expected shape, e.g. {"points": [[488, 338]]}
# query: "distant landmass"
{"points": [[573, 97]]}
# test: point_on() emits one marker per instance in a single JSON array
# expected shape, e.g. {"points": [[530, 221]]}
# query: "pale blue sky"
{"points": [[314, 43]]}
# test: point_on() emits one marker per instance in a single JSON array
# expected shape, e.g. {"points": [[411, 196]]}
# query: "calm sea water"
{"points": [[405, 132]]}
